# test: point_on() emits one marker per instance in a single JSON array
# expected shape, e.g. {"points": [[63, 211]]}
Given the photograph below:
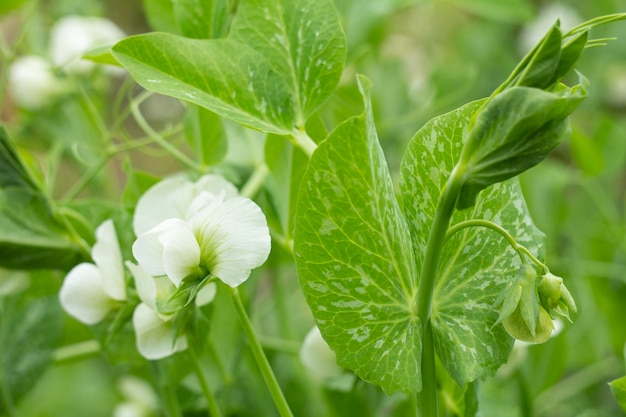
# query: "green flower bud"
{"points": [[555, 297], [517, 327], [519, 301]]}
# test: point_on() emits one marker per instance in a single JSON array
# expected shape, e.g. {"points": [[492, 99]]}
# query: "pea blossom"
{"points": [[195, 229], [91, 290]]}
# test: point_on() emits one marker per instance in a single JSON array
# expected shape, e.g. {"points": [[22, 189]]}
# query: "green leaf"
{"points": [[354, 257], [29, 331], [513, 132], [31, 235], [201, 19], [618, 389], [545, 57], [160, 15], [271, 79], [205, 134], [476, 264]]}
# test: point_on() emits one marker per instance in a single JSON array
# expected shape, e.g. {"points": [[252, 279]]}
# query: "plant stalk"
{"points": [[427, 404], [214, 409], [261, 359]]}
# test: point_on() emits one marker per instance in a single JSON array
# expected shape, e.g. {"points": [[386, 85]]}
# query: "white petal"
{"points": [[148, 250], [72, 36], [107, 255], [169, 199], [155, 335], [145, 285], [32, 82], [206, 294], [317, 356], [233, 238], [82, 296], [215, 184], [181, 252]]}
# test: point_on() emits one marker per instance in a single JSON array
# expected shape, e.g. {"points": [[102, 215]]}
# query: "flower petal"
{"points": [[206, 294], [107, 255], [82, 296], [233, 237], [215, 184], [168, 199], [154, 335], [317, 356], [148, 251], [181, 252]]}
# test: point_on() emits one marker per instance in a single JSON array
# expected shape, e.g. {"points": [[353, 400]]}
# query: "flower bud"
{"points": [[555, 297], [517, 327]]}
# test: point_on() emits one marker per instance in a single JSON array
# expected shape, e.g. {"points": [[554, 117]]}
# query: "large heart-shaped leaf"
{"points": [[355, 259], [476, 263], [280, 62]]}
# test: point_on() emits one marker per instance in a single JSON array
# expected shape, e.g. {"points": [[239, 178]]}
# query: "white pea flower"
{"points": [[72, 36], [153, 328], [33, 83], [199, 229], [140, 398], [321, 362], [91, 290]]}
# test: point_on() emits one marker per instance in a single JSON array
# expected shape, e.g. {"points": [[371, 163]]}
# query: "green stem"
{"points": [[214, 409], [170, 401], [76, 351], [145, 126], [428, 397], [219, 363], [254, 183], [302, 139], [521, 250], [261, 359]]}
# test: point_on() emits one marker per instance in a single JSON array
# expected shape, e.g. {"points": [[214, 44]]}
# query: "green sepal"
{"points": [[184, 294]]}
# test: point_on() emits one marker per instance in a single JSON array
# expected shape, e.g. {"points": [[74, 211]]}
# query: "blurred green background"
{"points": [[424, 58]]}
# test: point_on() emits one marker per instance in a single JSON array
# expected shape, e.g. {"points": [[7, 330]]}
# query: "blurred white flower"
{"points": [[195, 229], [153, 328], [32, 82], [91, 291], [72, 36], [140, 398], [12, 282], [536, 29], [321, 362]]}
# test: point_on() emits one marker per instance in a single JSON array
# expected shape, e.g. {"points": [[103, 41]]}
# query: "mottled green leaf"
{"points": [[280, 62], [354, 257], [476, 263]]}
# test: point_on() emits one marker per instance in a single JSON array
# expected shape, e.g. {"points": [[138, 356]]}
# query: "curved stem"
{"points": [[427, 403], [521, 250], [261, 359], [76, 351], [214, 409], [145, 126], [254, 183]]}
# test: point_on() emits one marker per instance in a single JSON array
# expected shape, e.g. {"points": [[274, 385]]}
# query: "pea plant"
{"points": [[417, 283]]}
